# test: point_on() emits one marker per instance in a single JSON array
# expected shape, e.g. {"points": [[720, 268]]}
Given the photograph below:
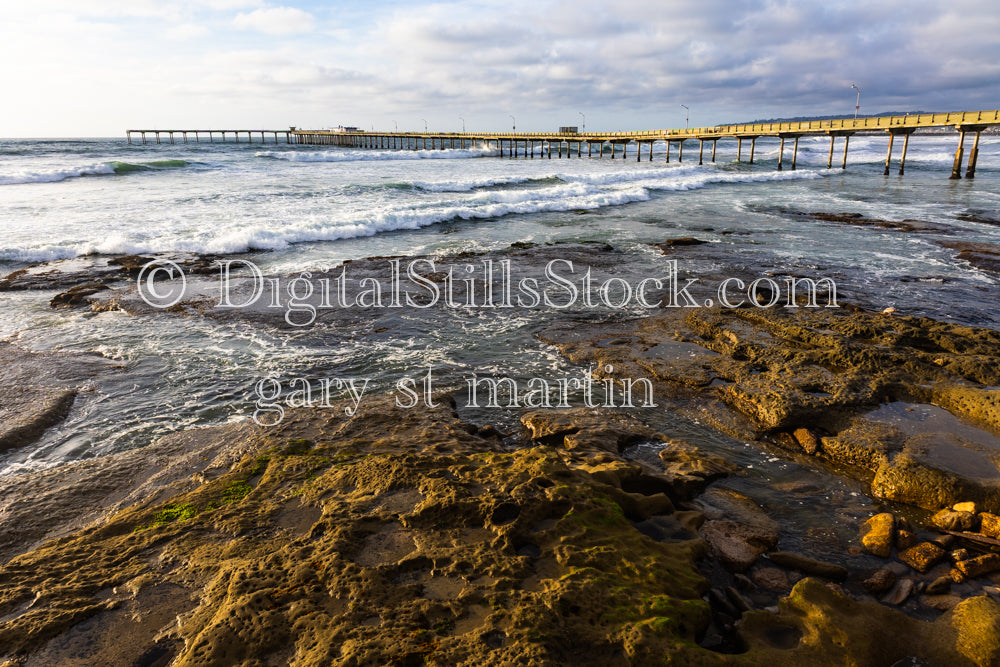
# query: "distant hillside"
{"points": [[800, 119]]}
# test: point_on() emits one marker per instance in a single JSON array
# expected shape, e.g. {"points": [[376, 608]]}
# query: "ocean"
{"points": [[290, 209]]}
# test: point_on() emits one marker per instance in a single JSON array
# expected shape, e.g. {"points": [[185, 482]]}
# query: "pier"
{"points": [[169, 135], [641, 143]]}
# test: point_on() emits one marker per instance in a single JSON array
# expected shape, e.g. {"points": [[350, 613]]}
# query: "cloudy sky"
{"points": [[98, 67]]}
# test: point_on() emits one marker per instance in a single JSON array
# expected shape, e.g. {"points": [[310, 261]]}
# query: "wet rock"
{"points": [[737, 546], [945, 541], [985, 256], [585, 428], [691, 469], [923, 556], [76, 296], [978, 566], [807, 440], [859, 220], [720, 602], [905, 539], [670, 244], [939, 586], [808, 565], [873, 634], [989, 525], [941, 602], [965, 507], [723, 503], [959, 554], [953, 520], [880, 581], [738, 530], [900, 592], [877, 534], [743, 582], [771, 578], [738, 600], [39, 389], [428, 522]]}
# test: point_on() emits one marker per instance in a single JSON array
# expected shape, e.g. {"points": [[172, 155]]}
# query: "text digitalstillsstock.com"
{"points": [[421, 284]]}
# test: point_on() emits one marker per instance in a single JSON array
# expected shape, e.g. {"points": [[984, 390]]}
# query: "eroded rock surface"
{"points": [[812, 380]]}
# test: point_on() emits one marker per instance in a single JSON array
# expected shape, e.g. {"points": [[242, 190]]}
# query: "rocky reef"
{"points": [[413, 537], [877, 395]]}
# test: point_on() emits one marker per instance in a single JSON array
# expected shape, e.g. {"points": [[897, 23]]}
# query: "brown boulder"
{"points": [[923, 556], [978, 566], [807, 440], [736, 545], [880, 581], [989, 525], [877, 534], [953, 520]]}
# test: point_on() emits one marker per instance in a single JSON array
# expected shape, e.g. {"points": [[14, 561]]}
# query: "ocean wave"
{"points": [[99, 169], [605, 190], [351, 155]]}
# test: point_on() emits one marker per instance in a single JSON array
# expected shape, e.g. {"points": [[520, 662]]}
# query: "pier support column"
{"points": [[739, 149], [902, 159], [590, 148], [829, 158], [701, 152], [668, 151], [795, 153], [638, 152], [128, 135], [157, 137], [781, 153], [560, 148], [680, 151], [753, 147], [624, 150], [847, 142], [973, 156], [651, 150], [888, 155], [715, 142], [956, 169], [613, 147]]}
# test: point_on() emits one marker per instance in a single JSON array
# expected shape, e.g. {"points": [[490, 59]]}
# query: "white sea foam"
{"points": [[352, 155], [588, 192], [55, 175]]}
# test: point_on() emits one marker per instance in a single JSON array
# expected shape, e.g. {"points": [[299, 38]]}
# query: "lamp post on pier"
{"points": [[396, 125], [515, 121], [584, 116], [687, 116], [425, 125], [857, 105], [463, 124]]}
